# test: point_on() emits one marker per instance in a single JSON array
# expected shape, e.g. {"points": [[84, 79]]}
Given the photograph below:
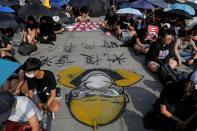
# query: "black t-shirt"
{"points": [[123, 22], [172, 97], [111, 18], [159, 53], [48, 81], [5, 42], [46, 29]]}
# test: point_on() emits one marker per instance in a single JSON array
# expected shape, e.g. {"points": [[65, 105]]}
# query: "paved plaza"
{"points": [[96, 50]]}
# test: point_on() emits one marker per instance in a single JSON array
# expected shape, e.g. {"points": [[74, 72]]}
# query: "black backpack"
{"points": [[26, 49], [166, 74]]}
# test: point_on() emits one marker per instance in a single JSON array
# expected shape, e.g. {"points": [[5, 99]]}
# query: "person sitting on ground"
{"points": [[43, 81], [57, 27], [109, 23], [84, 15], [46, 32], [185, 48], [15, 83], [125, 28], [19, 109], [177, 106], [161, 52], [30, 32], [142, 46], [6, 48]]}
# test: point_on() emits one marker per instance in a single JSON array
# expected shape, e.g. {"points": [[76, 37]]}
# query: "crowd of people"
{"points": [[161, 40], [165, 42]]}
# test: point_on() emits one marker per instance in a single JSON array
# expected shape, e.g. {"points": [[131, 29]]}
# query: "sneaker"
{"points": [[52, 42], [108, 33]]}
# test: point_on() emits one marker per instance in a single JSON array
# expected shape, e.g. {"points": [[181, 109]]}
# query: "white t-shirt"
{"points": [[24, 110]]}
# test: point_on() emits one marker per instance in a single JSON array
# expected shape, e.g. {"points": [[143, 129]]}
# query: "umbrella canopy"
{"points": [[7, 21], [6, 69], [140, 4], [159, 3], [59, 3], [192, 22], [179, 13], [36, 10], [98, 8], [129, 11], [184, 7], [79, 3], [9, 2], [6, 9]]}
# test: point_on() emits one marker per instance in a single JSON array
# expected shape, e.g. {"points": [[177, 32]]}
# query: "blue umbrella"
{"points": [[6, 9], [159, 3], [129, 11], [59, 3], [140, 4], [6, 69], [183, 7]]}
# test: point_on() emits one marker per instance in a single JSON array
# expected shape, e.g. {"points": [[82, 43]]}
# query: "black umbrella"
{"points": [[36, 10], [79, 3], [63, 17], [7, 21], [180, 14], [98, 7], [9, 2]]}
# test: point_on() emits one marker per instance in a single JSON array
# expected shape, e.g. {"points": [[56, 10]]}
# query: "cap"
{"points": [[56, 18], [7, 100], [194, 79]]}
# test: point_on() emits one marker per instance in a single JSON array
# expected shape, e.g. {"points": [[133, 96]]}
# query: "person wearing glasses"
{"points": [[161, 52]]}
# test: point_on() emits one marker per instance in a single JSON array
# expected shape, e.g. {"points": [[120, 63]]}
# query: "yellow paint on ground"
{"points": [[130, 78], [99, 109], [68, 74]]}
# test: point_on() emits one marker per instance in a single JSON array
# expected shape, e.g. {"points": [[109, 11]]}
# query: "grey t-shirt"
{"points": [[185, 45]]}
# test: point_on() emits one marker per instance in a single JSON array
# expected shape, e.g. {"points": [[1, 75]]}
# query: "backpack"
{"points": [[26, 49], [166, 74], [151, 120], [16, 126], [126, 36]]}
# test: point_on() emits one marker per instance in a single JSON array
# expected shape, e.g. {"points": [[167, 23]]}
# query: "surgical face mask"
{"points": [[30, 75]]}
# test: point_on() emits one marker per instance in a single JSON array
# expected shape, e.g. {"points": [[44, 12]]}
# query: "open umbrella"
{"points": [[6, 69], [59, 3], [159, 3], [6, 9], [140, 4], [129, 11], [9, 2], [36, 10], [7, 21], [184, 7], [79, 3], [179, 13], [98, 8]]}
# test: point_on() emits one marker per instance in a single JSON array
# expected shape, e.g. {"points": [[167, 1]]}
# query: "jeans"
{"points": [[185, 55]]}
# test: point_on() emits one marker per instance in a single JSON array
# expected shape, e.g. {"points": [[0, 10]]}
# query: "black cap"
{"points": [[6, 102]]}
